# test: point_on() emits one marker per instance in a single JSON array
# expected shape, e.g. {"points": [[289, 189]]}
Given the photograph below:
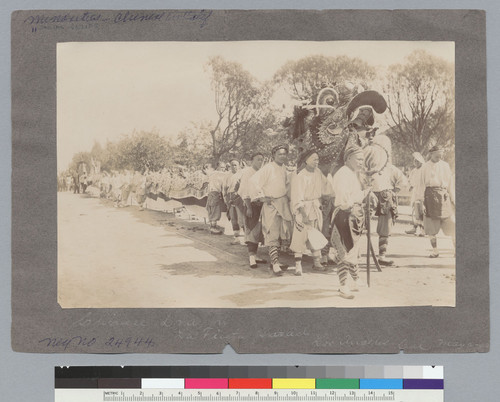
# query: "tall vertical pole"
{"points": [[368, 240]]}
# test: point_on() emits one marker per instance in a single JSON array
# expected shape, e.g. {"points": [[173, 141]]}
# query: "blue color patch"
{"points": [[380, 383]]}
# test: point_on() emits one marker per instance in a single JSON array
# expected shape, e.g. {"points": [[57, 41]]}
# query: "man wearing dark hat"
{"points": [[271, 185], [348, 218], [307, 189], [438, 186]]}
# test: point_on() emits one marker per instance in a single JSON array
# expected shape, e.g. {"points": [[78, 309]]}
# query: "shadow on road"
{"points": [[262, 293]]}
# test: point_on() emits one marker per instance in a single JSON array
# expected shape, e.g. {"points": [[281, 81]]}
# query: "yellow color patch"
{"points": [[294, 383]]}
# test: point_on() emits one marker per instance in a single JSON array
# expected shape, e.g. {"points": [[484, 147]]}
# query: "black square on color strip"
{"points": [[180, 371], [85, 372], [219, 372], [276, 372], [258, 372], [199, 372], [239, 372], [76, 383]]}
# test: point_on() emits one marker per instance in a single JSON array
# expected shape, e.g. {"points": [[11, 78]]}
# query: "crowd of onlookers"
{"points": [[164, 182], [171, 182]]}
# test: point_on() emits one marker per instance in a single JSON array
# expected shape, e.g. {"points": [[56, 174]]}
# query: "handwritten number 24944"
{"points": [[129, 342]]}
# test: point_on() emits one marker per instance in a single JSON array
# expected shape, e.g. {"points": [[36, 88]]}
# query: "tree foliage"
{"points": [[305, 77], [139, 151], [419, 92], [194, 145], [239, 104], [143, 151], [420, 97], [80, 159]]}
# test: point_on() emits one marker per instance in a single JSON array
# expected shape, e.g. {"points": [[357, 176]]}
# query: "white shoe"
{"points": [[345, 293], [298, 269], [434, 254], [277, 269], [242, 240], [383, 260]]}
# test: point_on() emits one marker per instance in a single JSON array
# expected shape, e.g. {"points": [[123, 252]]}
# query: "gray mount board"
{"points": [[40, 325]]}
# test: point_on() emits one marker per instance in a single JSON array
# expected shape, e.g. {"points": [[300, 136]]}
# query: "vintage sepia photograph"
{"points": [[256, 174]]}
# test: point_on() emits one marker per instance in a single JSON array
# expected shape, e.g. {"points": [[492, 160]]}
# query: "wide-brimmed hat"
{"points": [[305, 155], [352, 149], [278, 147], [436, 148], [316, 239], [418, 157]]}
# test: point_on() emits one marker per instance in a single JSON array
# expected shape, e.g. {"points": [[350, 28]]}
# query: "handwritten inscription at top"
{"points": [[139, 16], [63, 18], [200, 17]]}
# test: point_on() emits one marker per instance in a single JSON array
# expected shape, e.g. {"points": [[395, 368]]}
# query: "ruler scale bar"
{"points": [[94, 395]]}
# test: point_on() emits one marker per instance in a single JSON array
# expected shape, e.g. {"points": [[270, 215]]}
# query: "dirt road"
{"points": [[123, 257]]}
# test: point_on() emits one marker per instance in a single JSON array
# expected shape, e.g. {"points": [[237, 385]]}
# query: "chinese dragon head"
{"points": [[336, 116]]}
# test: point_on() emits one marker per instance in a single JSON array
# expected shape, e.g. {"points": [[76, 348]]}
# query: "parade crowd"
{"points": [[302, 211]]}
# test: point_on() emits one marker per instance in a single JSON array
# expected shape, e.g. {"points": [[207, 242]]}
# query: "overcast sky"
{"points": [[107, 89]]}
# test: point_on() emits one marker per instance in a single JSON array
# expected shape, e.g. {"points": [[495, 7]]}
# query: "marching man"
{"points": [[216, 183], [416, 203], [253, 227], [348, 218], [439, 198], [235, 203], [386, 185], [271, 188], [307, 188]]}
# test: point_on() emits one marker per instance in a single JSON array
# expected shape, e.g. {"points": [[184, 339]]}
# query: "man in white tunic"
{"points": [[438, 194], [386, 184], [252, 209], [416, 203], [348, 218], [271, 188], [139, 188], [234, 202], [307, 188], [216, 183]]}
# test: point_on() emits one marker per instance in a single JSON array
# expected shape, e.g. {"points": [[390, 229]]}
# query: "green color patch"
{"points": [[337, 383]]}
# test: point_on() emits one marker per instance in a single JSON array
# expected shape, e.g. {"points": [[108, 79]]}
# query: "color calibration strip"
{"points": [[239, 377]]}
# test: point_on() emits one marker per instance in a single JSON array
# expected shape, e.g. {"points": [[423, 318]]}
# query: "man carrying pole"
{"points": [[348, 218]]}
